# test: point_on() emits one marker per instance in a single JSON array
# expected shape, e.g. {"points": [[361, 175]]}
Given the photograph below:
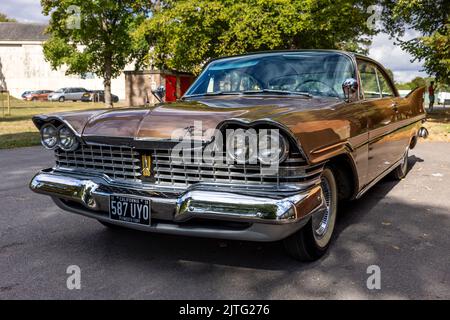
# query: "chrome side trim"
{"points": [[377, 179]]}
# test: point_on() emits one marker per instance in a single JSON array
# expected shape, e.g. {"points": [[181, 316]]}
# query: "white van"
{"points": [[442, 96]]}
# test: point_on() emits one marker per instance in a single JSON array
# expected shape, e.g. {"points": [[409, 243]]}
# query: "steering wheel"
{"points": [[317, 81]]}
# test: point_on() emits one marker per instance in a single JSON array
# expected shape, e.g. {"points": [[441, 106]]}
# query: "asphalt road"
{"points": [[402, 227]]}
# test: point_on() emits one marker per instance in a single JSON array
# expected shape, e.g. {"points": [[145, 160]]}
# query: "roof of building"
{"points": [[14, 31]]}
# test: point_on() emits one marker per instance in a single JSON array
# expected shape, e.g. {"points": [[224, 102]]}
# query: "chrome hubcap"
{"points": [[321, 220]]}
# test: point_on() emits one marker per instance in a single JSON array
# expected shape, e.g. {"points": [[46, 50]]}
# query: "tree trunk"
{"points": [[107, 83]]}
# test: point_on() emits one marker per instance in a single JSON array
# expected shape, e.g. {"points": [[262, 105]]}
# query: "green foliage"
{"points": [[430, 18], [102, 44], [104, 34], [185, 34], [4, 18], [404, 86], [420, 82]]}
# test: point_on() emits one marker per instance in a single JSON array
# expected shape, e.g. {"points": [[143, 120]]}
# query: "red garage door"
{"points": [[171, 88], [185, 84]]}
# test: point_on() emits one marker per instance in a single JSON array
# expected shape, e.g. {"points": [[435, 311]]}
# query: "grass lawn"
{"points": [[438, 124], [17, 130]]}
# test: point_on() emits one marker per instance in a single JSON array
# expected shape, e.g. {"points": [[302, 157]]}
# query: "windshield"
{"points": [[311, 73]]}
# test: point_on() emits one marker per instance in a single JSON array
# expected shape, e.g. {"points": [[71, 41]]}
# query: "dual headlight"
{"points": [[249, 146], [62, 137]]}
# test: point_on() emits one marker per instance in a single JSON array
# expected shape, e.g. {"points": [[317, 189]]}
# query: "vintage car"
{"points": [[337, 123]]}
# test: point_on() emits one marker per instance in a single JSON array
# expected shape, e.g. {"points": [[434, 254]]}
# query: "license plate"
{"points": [[131, 210]]}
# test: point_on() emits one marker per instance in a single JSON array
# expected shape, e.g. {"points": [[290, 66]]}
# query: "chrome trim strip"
{"points": [[393, 127], [377, 179]]}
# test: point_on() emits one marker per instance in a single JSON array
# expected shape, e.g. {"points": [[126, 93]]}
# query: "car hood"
{"points": [[171, 120]]}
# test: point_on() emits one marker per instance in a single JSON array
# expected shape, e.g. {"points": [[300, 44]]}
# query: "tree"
{"points": [[93, 36], [418, 82], [184, 34], [431, 21], [4, 18]]}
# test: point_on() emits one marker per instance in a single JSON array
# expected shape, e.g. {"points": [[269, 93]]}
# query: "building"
{"points": [[23, 67], [139, 86]]}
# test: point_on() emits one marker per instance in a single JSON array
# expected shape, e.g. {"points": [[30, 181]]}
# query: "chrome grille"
{"points": [[119, 163], [123, 163], [170, 171]]}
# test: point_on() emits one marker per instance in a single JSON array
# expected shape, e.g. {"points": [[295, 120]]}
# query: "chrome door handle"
{"points": [[394, 106]]}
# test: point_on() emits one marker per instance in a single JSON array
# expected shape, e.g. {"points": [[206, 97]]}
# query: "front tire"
{"points": [[62, 99], [312, 241]]}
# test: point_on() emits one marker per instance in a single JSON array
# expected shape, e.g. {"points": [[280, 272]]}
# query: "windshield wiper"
{"points": [[217, 93], [306, 94]]}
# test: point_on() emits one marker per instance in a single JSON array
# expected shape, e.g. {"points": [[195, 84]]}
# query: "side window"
{"points": [[386, 89], [369, 80]]}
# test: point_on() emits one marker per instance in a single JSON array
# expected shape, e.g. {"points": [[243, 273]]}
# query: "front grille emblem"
{"points": [[146, 165]]}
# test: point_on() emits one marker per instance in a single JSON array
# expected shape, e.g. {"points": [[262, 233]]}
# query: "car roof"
{"points": [[292, 51]]}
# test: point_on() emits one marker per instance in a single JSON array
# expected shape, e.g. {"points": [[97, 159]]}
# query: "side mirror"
{"points": [[159, 93], [350, 88]]}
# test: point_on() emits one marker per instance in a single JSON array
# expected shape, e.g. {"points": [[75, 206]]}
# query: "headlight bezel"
{"points": [[44, 144], [283, 145], [74, 142], [232, 154]]}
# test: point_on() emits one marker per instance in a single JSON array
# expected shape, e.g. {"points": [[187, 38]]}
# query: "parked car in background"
{"points": [[262, 147], [444, 98], [71, 94], [97, 96], [24, 94], [38, 95]]}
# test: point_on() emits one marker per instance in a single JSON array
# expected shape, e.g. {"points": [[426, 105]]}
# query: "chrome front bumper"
{"points": [[265, 215]]}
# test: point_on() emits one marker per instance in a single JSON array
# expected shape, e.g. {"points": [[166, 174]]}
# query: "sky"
{"points": [[382, 49]]}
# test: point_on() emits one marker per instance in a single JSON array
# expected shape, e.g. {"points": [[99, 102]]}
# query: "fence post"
{"points": [[9, 103], [3, 104]]}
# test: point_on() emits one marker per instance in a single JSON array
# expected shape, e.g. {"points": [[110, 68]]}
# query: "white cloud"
{"points": [[393, 57], [23, 10]]}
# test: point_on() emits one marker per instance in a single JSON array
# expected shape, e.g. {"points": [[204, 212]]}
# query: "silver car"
{"points": [[61, 95]]}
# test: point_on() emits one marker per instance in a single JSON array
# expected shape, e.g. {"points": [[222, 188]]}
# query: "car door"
{"points": [[381, 108], [68, 94], [74, 93], [43, 95], [79, 93], [37, 95]]}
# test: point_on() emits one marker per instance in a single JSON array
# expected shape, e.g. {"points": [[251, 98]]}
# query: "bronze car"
{"points": [[262, 147]]}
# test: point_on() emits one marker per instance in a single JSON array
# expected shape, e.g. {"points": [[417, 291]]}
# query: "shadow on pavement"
{"points": [[401, 237]]}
